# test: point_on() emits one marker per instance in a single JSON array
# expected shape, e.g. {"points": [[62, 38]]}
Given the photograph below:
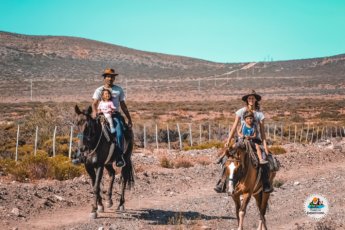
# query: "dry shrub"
{"points": [[203, 160], [278, 183], [61, 168], [183, 162], [277, 149], [61, 145], [42, 167], [6, 165], [207, 145], [166, 163]]}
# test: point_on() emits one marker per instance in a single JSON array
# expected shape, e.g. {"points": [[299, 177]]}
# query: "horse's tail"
{"points": [[127, 172]]}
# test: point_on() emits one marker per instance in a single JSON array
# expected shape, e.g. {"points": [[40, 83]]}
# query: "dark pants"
{"points": [[119, 133]]}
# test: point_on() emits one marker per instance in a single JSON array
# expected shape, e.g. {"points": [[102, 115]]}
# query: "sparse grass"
{"points": [[203, 160], [183, 162], [41, 167], [166, 163], [278, 183], [277, 149], [207, 145]]}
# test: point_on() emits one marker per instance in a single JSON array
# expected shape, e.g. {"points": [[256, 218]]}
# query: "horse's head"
{"points": [[235, 163], [86, 127]]}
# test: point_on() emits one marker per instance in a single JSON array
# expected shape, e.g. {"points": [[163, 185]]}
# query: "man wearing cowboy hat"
{"points": [[118, 99]]}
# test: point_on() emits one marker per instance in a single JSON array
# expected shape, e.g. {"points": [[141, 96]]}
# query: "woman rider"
{"points": [[252, 104]]}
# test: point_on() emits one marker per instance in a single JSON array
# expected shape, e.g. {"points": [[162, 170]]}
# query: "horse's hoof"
{"points": [[93, 215], [100, 208], [121, 208], [109, 204]]}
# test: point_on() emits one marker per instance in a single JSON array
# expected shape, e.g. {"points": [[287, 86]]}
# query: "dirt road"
{"points": [[183, 198]]}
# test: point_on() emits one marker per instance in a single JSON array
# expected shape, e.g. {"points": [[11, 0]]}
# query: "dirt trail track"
{"points": [[184, 198]]}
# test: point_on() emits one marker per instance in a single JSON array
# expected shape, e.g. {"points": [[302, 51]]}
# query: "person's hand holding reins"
{"points": [[227, 143]]}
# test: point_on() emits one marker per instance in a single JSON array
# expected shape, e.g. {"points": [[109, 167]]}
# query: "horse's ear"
{"points": [[77, 110], [89, 110]]}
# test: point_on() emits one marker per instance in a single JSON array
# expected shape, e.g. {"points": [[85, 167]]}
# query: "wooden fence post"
{"points": [[168, 134], [54, 135], [36, 136], [317, 134], [306, 136], [190, 134], [312, 136], [289, 133], [179, 135], [157, 137], [17, 144], [199, 134], [70, 143], [209, 132], [145, 137], [274, 132], [281, 133], [294, 141], [300, 138]]}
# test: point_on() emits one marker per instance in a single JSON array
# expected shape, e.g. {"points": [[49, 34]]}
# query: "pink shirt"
{"points": [[106, 106]]}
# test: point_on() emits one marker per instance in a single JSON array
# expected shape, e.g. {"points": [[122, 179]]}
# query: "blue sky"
{"points": [[215, 30]]}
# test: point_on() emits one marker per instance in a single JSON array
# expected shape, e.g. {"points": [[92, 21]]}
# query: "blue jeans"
{"points": [[118, 125]]}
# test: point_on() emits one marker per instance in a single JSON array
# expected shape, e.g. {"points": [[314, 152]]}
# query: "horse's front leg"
{"points": [[121, 206], [96, 190], [111, 173], [237, 201], [245, 202], [263, 208]]}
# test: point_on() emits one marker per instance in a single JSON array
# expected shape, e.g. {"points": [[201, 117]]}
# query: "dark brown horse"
{"points": [[97, 146], [245, 177]]}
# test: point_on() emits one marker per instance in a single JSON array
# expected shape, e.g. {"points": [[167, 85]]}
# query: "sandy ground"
{"points": [[183, 198]]}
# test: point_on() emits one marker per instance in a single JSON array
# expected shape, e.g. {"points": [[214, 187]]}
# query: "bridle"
{"points": [[88, 134]]}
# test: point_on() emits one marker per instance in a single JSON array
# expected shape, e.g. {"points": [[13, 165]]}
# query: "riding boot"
{"points": [[119, 160], [221, 185], [267, 187]]}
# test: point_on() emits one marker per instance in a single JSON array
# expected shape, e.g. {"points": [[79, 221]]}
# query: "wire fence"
{"points": [[181, 135]]}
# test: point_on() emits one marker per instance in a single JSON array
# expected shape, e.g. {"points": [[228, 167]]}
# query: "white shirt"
{"points": [[258, 117], [117, 95]]}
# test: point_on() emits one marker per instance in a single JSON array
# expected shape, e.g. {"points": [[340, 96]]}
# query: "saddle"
{"points": [[273, 162], [106, 127]]}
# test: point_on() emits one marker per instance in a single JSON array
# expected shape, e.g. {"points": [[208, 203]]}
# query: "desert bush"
{"points": [[183, 162], [277, 149], [166, 163], [61, 145], [6, 165], [203, 160], [207, 145], [278, 183], [61, 168], [41, 167]]}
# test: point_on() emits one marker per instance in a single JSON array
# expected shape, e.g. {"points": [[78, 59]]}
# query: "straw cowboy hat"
{"points": [[253, 93], [110, 72]]}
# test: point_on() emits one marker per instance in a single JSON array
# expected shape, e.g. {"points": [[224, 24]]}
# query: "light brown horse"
{"points": [[240, 170]]}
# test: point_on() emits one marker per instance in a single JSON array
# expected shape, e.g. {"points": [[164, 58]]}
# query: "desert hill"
{"points": [[64, 64]]}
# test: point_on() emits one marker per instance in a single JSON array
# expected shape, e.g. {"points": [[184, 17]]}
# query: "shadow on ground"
{"points": [[164, 217]]}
